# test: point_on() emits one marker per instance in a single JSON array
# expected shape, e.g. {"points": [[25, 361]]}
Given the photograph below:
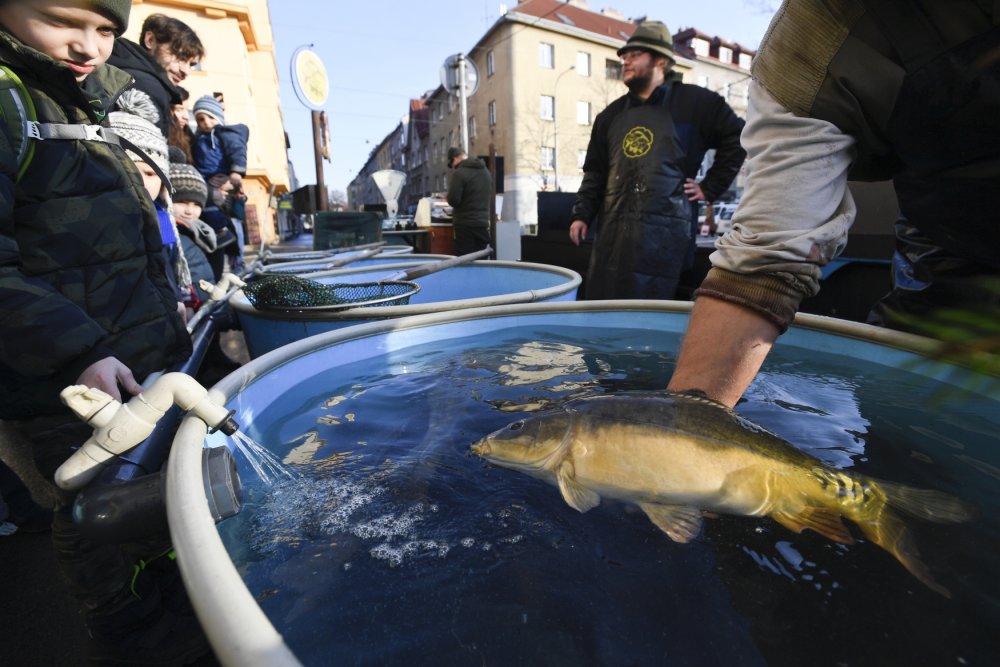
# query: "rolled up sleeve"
{"points": [[794, 215]]}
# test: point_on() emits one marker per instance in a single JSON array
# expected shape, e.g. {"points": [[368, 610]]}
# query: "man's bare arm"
{"points": [[723, 349]]}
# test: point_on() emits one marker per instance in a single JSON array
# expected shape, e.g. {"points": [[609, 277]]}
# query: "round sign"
{"points": [[449, 75], [309, 78]]}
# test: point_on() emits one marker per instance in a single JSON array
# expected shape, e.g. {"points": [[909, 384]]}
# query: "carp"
{"points": [[679, 455]]}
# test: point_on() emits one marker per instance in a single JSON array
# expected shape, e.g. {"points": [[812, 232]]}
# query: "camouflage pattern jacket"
{"points": [[81, 272]]}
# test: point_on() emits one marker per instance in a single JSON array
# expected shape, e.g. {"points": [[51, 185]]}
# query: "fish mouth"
{"points": [[482, 448]]}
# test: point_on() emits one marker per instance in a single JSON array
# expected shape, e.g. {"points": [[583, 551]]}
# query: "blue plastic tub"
{"points": [[312, 266], [395, 546], [473, 285]]}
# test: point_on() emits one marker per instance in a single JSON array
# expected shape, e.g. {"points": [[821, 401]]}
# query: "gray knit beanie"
{"points": [[118, 10], [144, 135], [189, 185], [210, 105]]}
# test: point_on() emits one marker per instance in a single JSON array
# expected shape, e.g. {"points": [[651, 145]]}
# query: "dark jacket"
{"points": [[81, 270], [149, 77], [469, 193], [702, 121], [221, 151]]}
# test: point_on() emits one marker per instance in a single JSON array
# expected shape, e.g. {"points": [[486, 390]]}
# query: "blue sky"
{"points": [[379, 54]]}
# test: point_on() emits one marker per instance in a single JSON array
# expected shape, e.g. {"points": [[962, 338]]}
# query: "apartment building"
{"points": [[546, 69], [240, 63]]}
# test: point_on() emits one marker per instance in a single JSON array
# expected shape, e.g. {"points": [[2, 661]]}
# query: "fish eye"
{"points": [[516, 426]]}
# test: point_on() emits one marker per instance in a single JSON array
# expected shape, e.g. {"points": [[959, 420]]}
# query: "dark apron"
{"points": [[644, 230], [945, 129]]}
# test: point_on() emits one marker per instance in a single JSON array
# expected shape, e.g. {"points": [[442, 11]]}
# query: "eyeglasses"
{"points": [[632, 55]]}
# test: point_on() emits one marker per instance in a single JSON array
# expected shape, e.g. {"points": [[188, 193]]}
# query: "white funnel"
{"points": [[390, 183]]}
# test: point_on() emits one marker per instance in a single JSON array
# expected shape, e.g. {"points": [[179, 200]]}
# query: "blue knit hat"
{"points": [[211, 106]]}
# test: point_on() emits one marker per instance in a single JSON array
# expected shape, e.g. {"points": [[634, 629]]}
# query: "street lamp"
{"points": [[555, 127]]}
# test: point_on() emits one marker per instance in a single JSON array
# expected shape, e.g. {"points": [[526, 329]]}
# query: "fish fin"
{"points": [[681, 523], [824, 521], [889, 532], [926, 504], [575, 494]]}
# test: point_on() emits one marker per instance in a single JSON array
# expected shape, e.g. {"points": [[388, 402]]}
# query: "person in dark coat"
{"points": [[85, 300], [168, 51], [469, 192], [638, 182], [865, 90]]}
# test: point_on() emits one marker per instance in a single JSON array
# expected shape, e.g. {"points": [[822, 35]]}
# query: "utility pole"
{"points": [[322, 203]]}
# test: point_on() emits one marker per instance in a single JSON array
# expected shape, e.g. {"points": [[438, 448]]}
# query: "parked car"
{"points": [[724, 218]]}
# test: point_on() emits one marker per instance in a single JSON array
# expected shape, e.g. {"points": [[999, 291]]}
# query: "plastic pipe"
{"points": [[118, 428]]}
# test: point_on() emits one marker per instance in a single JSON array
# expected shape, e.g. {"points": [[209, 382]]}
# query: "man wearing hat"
{"points": [[638, 181], [469, 191]]}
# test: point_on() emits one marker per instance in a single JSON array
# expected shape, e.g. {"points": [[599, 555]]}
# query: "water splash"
{"points": [[265, 464]]}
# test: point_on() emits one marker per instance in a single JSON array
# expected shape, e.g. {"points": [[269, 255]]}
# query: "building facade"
{"points": [[240, 63], [546, 69]]}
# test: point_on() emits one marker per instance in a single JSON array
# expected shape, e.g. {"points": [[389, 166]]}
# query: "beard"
{"points": [[640, 81]]}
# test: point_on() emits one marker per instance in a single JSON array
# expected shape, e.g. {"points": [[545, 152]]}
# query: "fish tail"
{"points": [[888, 531], [925, 504]]}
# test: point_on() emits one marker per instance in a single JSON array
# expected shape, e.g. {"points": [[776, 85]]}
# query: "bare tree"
{"points": [[337, 200]]}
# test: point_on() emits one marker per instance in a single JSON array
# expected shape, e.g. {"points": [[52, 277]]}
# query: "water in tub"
{"points": [[395, 546]]}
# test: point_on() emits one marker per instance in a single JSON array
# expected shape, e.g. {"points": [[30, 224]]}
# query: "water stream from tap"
{"points": [[265, 464]]}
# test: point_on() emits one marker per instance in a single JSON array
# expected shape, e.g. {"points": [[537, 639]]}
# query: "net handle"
{"points": [[434, 267]]}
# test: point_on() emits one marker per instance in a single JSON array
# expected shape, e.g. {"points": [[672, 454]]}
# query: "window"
{"points": [[583, 113], [492, 113], [745, 60], [583, 63], [490, 65], [725, 54], [548, 107], [548, 157], [451, 103], [700, 47], [451, 138], [613, 70], [581, 158], [472, 126], [546, 55]]}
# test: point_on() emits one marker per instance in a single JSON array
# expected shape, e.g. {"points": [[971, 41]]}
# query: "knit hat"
{"points": [[189, 186], [210, 105], [651, 36], [117, 10], [146, 136]]}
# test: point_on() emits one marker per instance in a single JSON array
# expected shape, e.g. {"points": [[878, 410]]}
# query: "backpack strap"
{"points": [[78, 132], [20, 121]]}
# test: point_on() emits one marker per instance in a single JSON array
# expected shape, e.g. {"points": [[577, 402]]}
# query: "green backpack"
{"points": [[19, 121], [19, 127]]}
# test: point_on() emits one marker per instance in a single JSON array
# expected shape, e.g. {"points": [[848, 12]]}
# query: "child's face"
{"points": [[68, 31], [206, 121], [180, 112], [188, 211], [150, 179]]}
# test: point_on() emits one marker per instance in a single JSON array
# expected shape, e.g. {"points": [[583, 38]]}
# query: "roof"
{"points": [[577, 17]]}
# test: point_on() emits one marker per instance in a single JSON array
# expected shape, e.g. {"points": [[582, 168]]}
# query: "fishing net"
{"points": [[287, 291]]}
